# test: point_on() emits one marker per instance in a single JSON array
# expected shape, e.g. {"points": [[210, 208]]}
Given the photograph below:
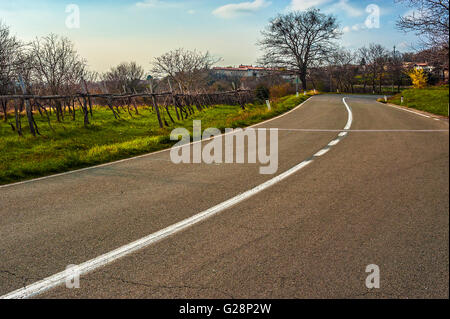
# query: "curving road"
{"points": [[378, 195]]}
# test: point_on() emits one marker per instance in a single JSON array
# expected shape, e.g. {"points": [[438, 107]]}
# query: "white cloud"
{"points": [[305, 4], [148, 3], [344, 6], [355, 27], [340, 5], [191, 11], [234, 9], [155, 3], [404, 46]]}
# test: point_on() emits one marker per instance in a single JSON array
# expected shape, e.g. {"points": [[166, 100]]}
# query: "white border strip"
{"points": [[410, 111], [361, 131], [90, 265]]}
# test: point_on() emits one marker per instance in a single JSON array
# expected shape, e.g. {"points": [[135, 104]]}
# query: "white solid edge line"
{"points": [[148, 154], [59, 278], [90, 265], [402, 109], [362, 131]]}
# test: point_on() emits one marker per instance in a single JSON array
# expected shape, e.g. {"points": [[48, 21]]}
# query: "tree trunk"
{"points": [[303, 79]]}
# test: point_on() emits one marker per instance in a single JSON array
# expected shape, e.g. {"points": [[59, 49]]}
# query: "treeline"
{"points": [[50, 66], [375, 69], [305, 43], [47, 76]]}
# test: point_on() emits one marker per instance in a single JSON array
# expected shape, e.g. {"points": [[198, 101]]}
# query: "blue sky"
{"points": [[115, 31]]}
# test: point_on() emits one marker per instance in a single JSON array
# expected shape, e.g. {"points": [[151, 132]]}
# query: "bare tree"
{"points": [[188, 69], [375, 59], [14, 62], [395, 68], [363, 56], [126, 76], [57, 67], [343, 69], [9, 57], [299, 40], [56, 63], [430, 19], [9, 62]]}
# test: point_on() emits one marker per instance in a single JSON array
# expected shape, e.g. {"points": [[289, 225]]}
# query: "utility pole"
{"points": [[394, 62]]}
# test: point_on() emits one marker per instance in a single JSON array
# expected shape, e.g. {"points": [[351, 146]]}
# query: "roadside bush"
{"points": [[418, 78], [280, 90]]}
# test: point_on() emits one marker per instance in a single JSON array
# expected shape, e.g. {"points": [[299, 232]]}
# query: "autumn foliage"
{"points": [[418, 78]]}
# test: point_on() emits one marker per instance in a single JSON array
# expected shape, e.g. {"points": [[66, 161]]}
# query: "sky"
{"points": [[108, 32]]}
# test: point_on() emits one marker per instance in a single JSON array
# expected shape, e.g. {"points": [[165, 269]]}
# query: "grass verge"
{"points": [[432, 99], [71, 146]]}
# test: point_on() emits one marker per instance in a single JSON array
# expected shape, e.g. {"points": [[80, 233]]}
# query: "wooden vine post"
{"points": [[184, 102], [29, 111], [238, 98], [108, 100], [155, 105], [174, 100]]}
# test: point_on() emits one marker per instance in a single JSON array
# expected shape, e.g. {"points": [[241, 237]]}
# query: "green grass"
{"points": [[72, 146], [432, 99]]}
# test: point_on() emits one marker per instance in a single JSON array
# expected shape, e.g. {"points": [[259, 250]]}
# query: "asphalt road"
{"points": [[377, 197]]}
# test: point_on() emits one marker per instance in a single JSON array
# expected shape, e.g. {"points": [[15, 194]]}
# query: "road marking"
{"points": [[356, 131], [400, 108], [90, 265], [410, 111], [145, 155], [322, 152], [334, 142], [350, 115]]}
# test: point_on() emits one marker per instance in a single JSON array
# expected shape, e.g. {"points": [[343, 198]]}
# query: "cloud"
{"points": [[344, 6], [299, 5], [191, 11], [404, 46], [355, 27], [358, 27], [148, 3], [340, 5], [235, 9], [155, 3]]}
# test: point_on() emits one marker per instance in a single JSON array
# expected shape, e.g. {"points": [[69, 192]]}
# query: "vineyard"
{"points": [[68, 144], [162, 104], [56, 114]]}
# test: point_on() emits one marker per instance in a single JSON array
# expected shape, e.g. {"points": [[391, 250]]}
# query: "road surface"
{"points": [[378, 195]]}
